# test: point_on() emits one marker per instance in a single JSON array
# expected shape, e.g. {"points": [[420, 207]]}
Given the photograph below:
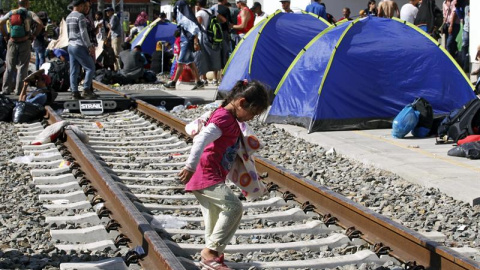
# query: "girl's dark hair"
{"points": [[254, 92]]}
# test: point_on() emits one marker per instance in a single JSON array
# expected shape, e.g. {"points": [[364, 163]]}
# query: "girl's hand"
{"points": [[185, 175]]}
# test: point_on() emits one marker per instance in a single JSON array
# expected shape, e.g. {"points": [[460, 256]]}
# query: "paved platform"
{"points": [[419, 161]]}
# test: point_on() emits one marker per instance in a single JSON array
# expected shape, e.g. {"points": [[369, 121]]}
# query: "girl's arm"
{"points": [[206, 136]]}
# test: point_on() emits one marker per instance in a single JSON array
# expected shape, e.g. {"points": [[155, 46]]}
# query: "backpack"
{"points": [[214, 30], [18, 27], [462, 122], [59, 72], [425, 120]]}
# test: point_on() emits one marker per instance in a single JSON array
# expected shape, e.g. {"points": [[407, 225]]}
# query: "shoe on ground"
{"points": [[171, 85], [198, 85], [76, 95], [476, 72], [5, 93], [205, 83], [215, 83], [88, 94]]}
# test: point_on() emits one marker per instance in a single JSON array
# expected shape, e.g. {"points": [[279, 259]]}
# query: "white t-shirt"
{"points": [[203, 14], [259, 18], [408, 13]]}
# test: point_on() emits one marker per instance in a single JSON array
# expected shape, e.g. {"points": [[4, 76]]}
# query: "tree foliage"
{"points": [[56, 10]]}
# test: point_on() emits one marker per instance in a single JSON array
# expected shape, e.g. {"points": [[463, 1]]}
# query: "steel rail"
{"points": [[132, 223], [404, 243]]}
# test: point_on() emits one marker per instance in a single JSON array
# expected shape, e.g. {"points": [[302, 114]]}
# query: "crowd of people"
{"points": [[194, 45]]}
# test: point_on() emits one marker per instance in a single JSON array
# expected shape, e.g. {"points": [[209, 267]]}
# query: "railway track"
{"points": [[127, 171]]}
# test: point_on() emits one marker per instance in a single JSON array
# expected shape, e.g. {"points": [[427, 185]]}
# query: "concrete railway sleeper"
{"points": [[127, 173]]}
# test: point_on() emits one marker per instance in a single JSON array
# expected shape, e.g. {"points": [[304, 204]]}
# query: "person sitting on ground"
{"points": [[43, 94], [61, 54], [107, 58], [132, 64]]}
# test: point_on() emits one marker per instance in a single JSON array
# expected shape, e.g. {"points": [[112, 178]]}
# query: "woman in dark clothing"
{"points": [[429, 17], [371, 8]]}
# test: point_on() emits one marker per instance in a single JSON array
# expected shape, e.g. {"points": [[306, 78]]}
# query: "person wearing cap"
{"points": [[115, 33], [42, 95], [317, 9], [80, 49], [259, 14], [18, 47], [245, 19], [286, 6]]}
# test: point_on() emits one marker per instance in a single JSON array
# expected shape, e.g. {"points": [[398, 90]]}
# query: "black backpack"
{"points": [[214, 30], [462, 122], [59, 72], [425, 120]]}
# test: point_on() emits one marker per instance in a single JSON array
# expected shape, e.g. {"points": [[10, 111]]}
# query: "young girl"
{"points": [[213, 153]]}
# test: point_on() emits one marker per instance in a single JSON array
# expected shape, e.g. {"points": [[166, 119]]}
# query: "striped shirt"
{"points": [[77, 30]]}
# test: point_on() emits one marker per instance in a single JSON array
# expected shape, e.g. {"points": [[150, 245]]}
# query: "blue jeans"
{"points": [[186, 53], [39, 57], [79, 57], [451, 43]]}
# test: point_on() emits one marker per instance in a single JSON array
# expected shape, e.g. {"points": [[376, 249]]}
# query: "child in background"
{"points": [[213, 153], [176, 52]]}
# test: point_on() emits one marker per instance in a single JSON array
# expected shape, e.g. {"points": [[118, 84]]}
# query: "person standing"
{"points": [[316, 8], [189, 30], [223, 10], [346, 14], [371, 9], [80, 50], [19, 45], [452, 24], [245, 20], [213, 154], [40, 42], [388, 9], [115, 33], [209, 57], [259, 14], [286, 6], [409, 11]]}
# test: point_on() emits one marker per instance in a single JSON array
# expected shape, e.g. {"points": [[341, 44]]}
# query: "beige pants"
{"points": [[117, 48], [222, 212]]}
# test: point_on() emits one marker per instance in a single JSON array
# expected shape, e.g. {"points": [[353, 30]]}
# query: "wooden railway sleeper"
{"points": [[328, 219], [121, 240], [381, 249], [134, 255], [353, 233], [112, 225], [308, 207], [413, 266]]}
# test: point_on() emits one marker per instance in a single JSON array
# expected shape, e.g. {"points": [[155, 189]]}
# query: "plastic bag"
{"points": [[6, 108], [50, 133], [25, 112], [404, 122], [167, 221], [469, 150]]}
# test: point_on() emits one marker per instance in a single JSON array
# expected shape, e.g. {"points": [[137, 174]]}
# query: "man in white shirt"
{"points": [[259, 14], [409, 11]]}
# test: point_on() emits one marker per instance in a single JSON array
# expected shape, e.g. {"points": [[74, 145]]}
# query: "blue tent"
{"points": [[360, 74], [269, 48], [153, 33]]}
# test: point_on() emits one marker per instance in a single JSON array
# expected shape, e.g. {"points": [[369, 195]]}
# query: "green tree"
{"points": [[56, 10]]}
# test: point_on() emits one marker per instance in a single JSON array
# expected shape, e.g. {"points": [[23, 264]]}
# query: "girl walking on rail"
{"points": [[213, 153]]}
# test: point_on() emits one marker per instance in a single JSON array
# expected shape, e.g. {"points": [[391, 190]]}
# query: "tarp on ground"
{"points": [[267, 51], [154, 32], [360, 74]]}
